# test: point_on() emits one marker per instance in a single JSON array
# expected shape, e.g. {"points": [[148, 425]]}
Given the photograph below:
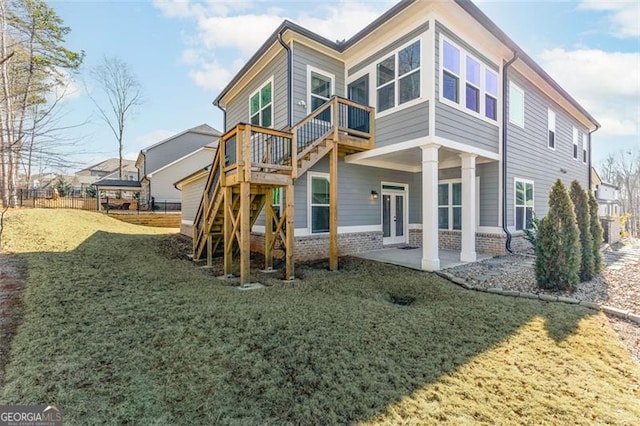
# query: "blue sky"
{"points": [[184, 52]]}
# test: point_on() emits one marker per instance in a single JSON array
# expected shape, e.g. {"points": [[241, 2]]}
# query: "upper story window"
{"points": [[584, 149], [261, 105], [576, 138], [551, 126], [398, 77], [451, 72], [321, 89], [480, 92], [516, 104], [491, 94]]}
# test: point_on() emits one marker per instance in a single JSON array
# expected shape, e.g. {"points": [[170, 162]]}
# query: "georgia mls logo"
{"points": [[30, 415]]}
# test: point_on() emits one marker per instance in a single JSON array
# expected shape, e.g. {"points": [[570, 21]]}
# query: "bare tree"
{"points": [[33, 58], [123, 92]]}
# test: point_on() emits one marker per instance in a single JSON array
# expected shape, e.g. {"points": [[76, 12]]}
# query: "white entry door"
{"points": [[394, 229]]}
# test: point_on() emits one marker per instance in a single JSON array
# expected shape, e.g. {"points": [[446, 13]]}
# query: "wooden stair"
{"points": [[251, 161]]}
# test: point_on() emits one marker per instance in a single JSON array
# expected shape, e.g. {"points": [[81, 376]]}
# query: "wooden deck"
{"points": [[251, 161]]}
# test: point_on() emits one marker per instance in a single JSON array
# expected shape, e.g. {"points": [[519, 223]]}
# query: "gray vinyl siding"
{"points": [[238, 107], [404, 125], [489, 189], [303, 56], [528, 156], [191, 197], [355, 206], [168, 152], [456, 125], [390, 48]]}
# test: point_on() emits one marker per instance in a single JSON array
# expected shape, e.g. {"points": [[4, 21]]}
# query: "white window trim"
{"points": [[373, 78], [405, 193], [270, 80], [462, 81], [310, 175], [514, 86], [575, 147], [533, 206], [450, 205], [585, 148], [324, 73], [552, 113], [477, 207]]}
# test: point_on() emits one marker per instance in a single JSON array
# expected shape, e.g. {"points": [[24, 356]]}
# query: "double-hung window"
{"points": [[450, 205], [576, 137], [261, 105], [319, 202], [551, 126], [450, 72], [516, 104], [320, 90], [523, 204], [472, 90], [491, 94], [398, 77], [584, 148]]}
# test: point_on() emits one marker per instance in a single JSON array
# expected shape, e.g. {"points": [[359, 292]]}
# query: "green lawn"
{"points": [[117, 330]]}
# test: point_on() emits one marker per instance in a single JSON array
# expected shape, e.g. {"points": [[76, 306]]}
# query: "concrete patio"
{"points": [[412, 257]]}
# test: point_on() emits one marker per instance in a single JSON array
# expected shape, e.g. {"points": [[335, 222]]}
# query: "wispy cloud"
{"points": [[226, 33], [152, 137], [624, 16], [602, 82]]}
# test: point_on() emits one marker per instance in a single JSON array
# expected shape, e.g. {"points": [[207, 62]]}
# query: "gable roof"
{"points": [[203, 129], [340, 47], [109, 165], [209, 147]]}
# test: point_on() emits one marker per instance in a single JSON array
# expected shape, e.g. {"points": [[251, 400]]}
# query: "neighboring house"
{"points": [[607, 195], [162, 164], [467, 138], [191, 188], [107, 169]]}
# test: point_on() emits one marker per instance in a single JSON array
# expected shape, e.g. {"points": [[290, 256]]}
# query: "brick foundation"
{"points": [[317, 246]]}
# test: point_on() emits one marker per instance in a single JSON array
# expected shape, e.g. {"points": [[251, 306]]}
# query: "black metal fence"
{"points": [[49, 199]]}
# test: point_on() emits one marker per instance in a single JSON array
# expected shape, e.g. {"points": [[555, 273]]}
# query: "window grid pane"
{"points": [[443, 217], [472, 95], [409, 58], [443, 194], [409, 87], [450, 87], [491, 107], [451, 58], [473, 71], [456, 194], [457, 218], [386, 70], [491, 83], [386, 97]]}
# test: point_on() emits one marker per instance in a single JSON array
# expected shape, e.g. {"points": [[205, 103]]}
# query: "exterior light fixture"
{"points": [[374, 195]]}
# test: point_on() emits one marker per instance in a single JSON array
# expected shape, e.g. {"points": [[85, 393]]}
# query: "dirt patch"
{"points": [[12, 275]]}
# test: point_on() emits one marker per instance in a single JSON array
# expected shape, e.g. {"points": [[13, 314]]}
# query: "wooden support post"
{"points": [[268, 231], [333, 207], [228, 230], [209, 250], [290, 233], [245, 232], [247, 155]]}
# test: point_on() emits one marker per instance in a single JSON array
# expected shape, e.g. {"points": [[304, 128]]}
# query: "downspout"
{"points": [[589, 156], [505, 120], [289, 78]]}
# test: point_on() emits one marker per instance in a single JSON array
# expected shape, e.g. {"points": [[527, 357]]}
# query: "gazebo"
{"points": [[114, 185]]}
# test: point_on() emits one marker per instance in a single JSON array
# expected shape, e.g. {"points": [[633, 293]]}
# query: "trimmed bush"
{"points": [[596, 233], [558, 243], [583, 217]]}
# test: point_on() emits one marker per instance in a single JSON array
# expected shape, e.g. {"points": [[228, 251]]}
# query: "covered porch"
{"points": [[448, 208], [411, 257]]}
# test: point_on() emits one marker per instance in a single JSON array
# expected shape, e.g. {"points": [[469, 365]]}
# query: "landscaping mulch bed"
{"points": [[617, 285]]}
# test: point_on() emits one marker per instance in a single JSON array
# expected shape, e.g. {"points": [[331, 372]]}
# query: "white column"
{"points": [[430, 254], [468, 252]]}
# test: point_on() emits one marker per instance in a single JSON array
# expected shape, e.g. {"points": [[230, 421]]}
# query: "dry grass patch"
{"points": [[116, 328]]}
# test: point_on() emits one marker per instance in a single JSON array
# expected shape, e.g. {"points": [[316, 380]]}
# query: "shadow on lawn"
{"points": [[147, 337]]}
